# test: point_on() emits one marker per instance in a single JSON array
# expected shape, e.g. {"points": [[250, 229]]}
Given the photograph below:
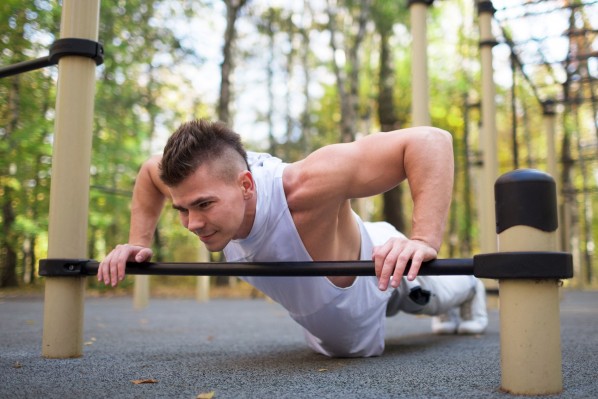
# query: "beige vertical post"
{"points": [[141, 291], [419, 62], [63, 305], [489, 135], [530, 339], [549, 112], [202, 288]]}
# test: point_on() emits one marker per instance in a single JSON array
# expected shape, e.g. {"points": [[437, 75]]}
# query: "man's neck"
{"points": [[249, 218]]}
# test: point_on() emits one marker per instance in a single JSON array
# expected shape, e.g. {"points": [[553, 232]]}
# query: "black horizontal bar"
{"points": [[60, 48], [83, 267], [25, 66]]}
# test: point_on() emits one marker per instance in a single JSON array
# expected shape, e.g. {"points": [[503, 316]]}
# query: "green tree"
{"points": [[25, 132], [142, 50]]}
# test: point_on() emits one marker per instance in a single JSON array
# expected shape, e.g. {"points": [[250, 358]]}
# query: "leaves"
{"points": [[144, 381], [206, 395], [154, 77]]}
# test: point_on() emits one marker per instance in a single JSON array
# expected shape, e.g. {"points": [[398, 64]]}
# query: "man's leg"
{"points": [[465, 312], [457, 302]]}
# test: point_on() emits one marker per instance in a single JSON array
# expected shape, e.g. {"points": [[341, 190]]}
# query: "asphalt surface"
{"points": [[252, 349]]}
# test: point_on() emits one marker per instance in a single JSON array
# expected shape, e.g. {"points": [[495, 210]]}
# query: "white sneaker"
{"points": [[446, 323], [473, 312]]}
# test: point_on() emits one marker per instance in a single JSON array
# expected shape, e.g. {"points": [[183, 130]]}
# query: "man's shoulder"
{"points": [[261, 159]]}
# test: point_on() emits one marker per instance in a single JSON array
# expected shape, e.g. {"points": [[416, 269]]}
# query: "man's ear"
{"points": [[247, 184]]}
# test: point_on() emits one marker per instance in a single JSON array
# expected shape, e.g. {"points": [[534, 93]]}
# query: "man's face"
{"points": [[212, 208]]}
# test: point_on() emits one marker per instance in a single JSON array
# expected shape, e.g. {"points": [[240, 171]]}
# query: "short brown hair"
{"points": [[195, 143]]}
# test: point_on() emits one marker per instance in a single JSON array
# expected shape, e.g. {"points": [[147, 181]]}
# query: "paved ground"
{"points": [[251, 349]]}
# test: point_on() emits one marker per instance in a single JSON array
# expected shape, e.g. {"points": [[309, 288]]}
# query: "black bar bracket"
{"points": [[534, 265], [74, 46], [63, 267], [60, 48]]}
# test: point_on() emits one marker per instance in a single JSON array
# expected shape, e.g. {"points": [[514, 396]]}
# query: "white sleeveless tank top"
{"points": [[273, 236]]}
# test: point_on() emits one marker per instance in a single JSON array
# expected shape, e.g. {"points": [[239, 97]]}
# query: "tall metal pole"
{"points": [[69, 194], [489, 136], [419, 62]]}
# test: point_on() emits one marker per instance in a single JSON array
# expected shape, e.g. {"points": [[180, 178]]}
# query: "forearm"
{"points": [[143, 226], [429, 166], [148, 201]]}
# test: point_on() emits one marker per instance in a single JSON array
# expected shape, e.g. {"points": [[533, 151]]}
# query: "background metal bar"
{"points": [[438, 267], [25, 66]]}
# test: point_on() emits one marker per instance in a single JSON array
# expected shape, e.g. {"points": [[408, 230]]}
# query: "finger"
{"points": [[118, 262], [378, 255], [104, 269], [120, 270], [388, 268], [100, 274], [399, 267], [113, 273], [144, 255], [416, 262]]}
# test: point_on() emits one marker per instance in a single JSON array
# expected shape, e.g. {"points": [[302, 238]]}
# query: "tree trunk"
{"points": [[8, 264], [349, 98], [8, 251], [393, 199], [305, 116], [232, 11]]}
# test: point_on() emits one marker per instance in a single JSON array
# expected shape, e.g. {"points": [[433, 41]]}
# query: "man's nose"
{"points": [[196, 221]]}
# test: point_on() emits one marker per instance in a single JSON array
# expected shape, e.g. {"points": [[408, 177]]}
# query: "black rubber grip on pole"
{"points": [[74, 46], [523, 265], [526, 197]]}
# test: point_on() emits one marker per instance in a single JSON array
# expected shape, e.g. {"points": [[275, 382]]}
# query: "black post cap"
{"points": [[425, 2], [485, 6], [526, 197]]}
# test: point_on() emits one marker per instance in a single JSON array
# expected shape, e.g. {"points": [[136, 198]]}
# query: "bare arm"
{"points": [[373, 165], [149, 196], [429, 167]]}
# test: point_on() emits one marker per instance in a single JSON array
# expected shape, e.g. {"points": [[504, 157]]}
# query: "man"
{"points": [[257, 208]]}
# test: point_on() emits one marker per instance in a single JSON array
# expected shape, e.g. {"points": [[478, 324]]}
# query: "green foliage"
{"points": [[146, 87], [25, 132], [139, 50]]}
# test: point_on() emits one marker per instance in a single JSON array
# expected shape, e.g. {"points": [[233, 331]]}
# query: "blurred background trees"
{"points": [[291, 76]]}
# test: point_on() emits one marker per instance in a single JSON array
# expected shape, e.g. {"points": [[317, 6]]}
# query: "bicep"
{"points": [[422, 155], [369, 166], [339, 172], [376, 163], [149, 180]]}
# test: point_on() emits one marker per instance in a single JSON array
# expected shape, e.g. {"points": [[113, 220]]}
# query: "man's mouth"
{"points": [[206, 237]]}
